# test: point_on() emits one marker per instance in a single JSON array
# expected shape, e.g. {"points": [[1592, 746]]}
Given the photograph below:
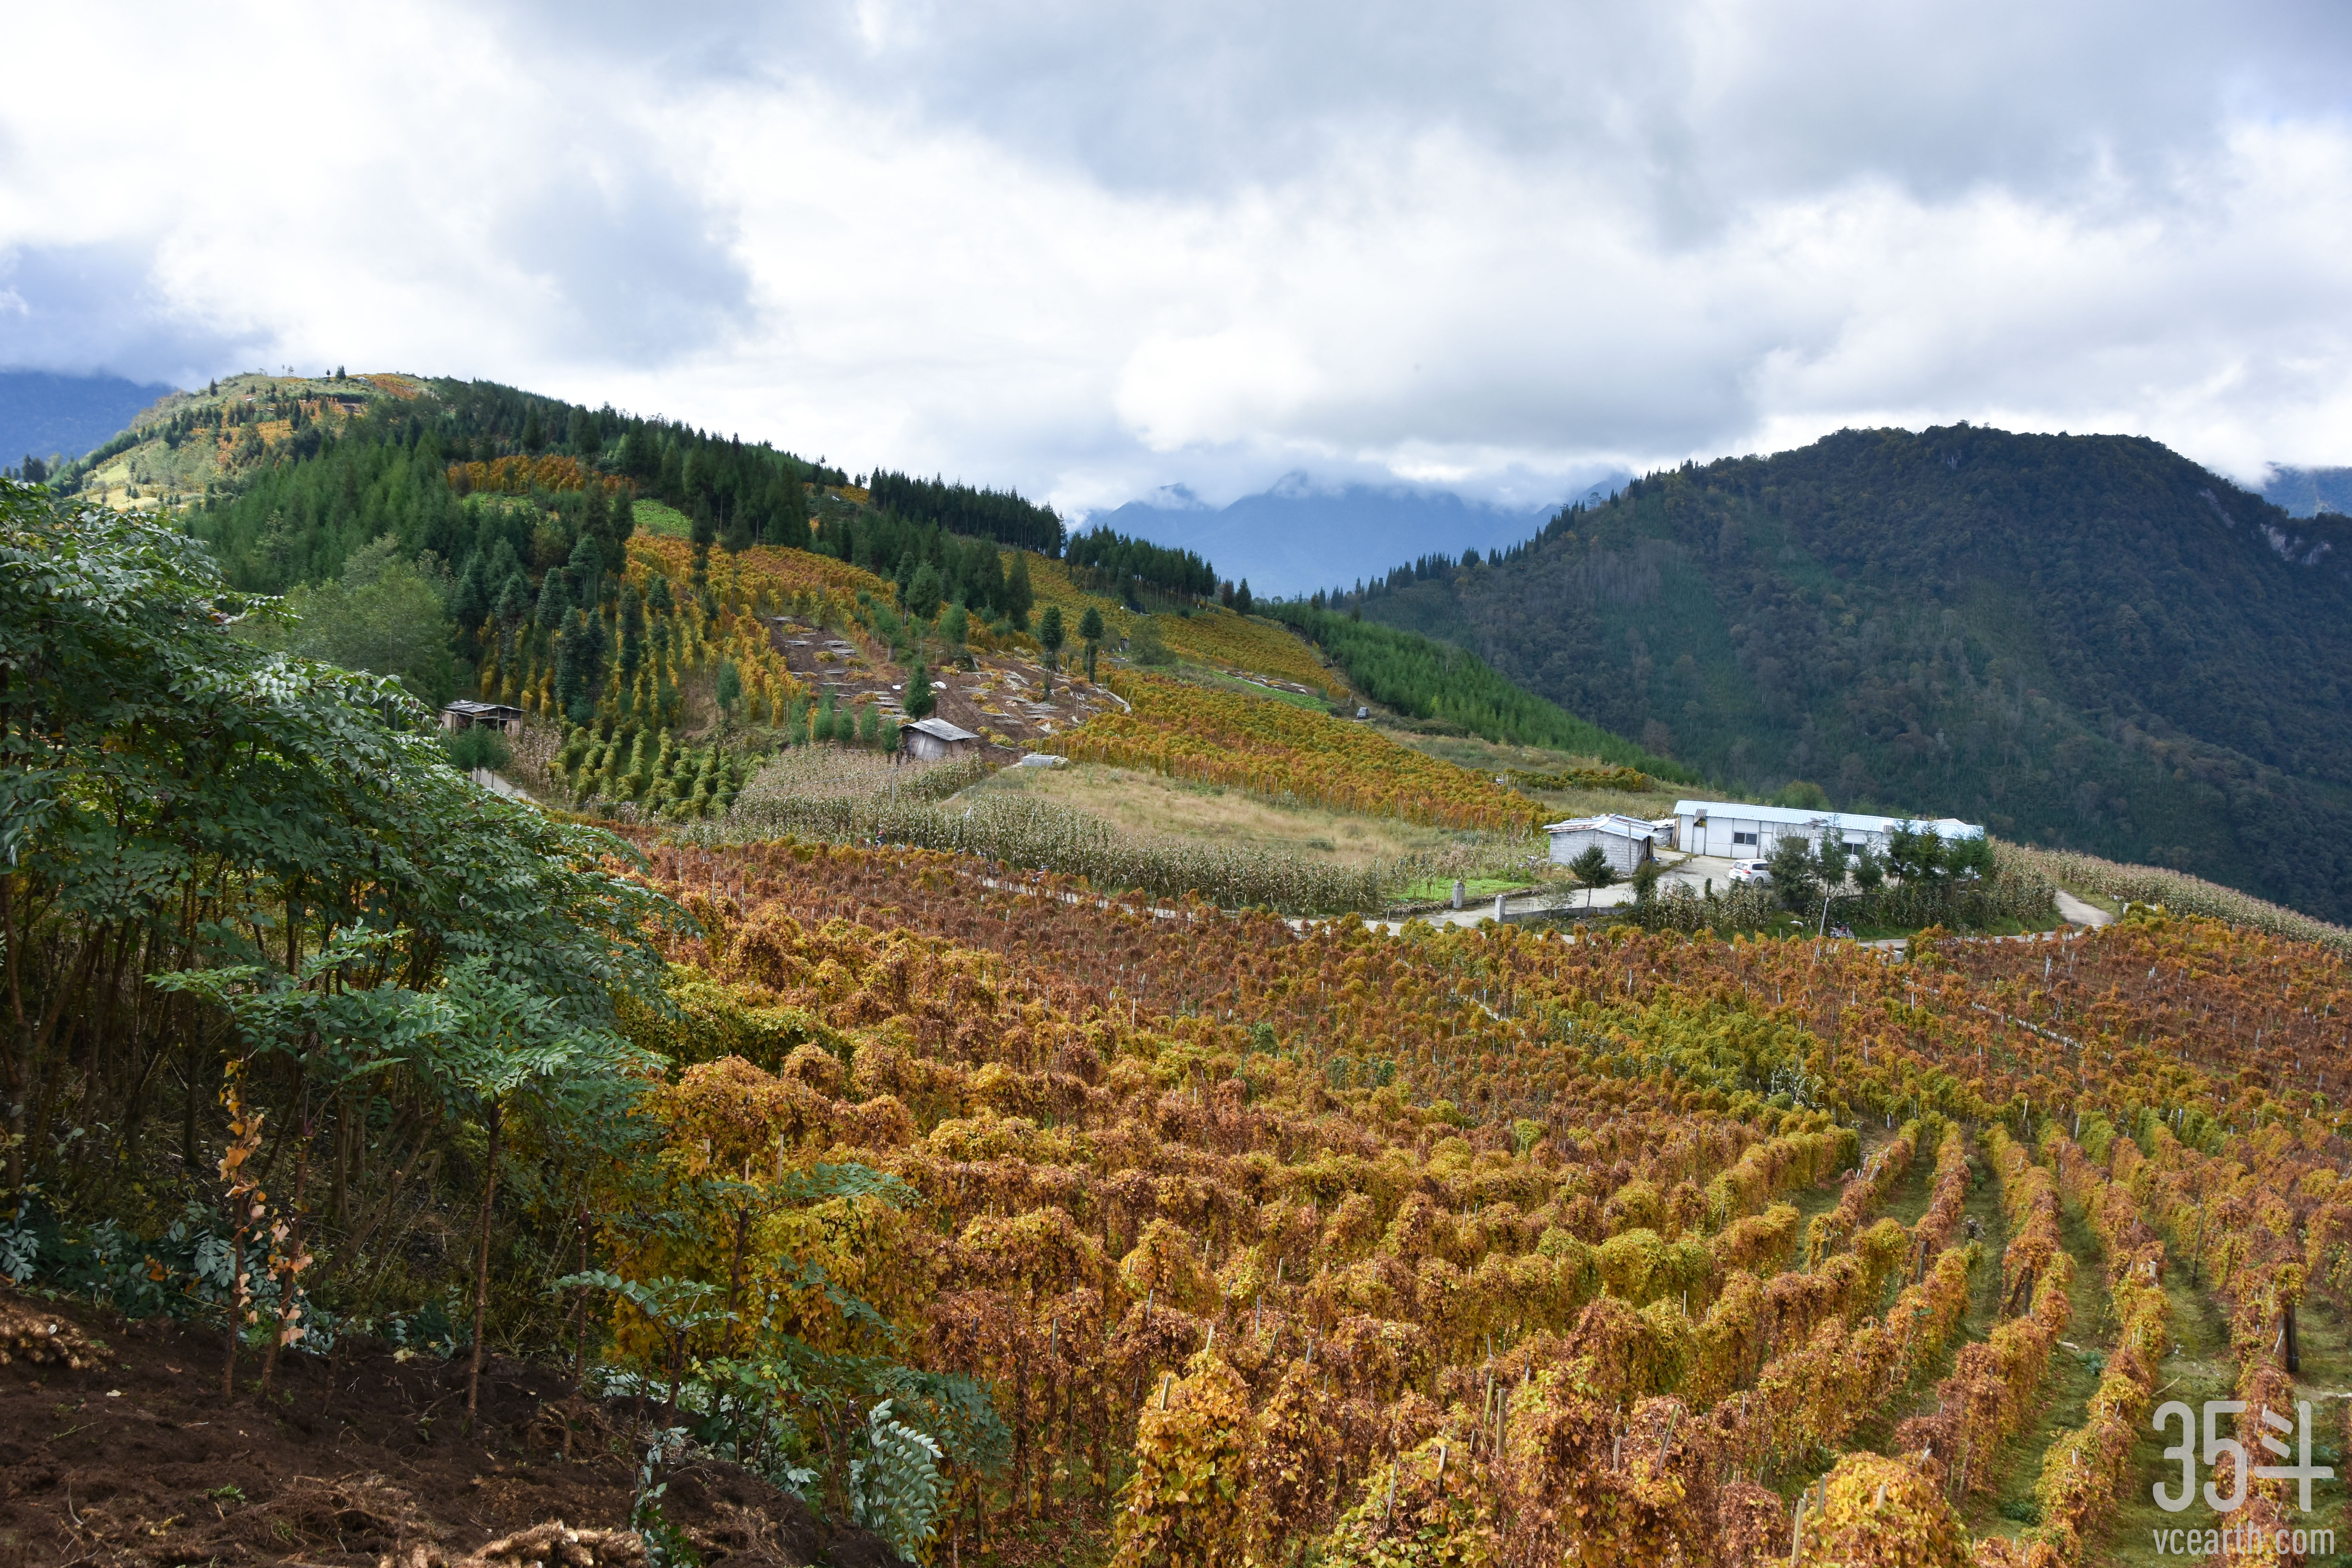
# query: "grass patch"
{"points": [[669, 522], [1474, 890], [1484, 756], [2199, 1368], [1201, 675], [2073, 1377], [850, 797], [1983, 1205]]}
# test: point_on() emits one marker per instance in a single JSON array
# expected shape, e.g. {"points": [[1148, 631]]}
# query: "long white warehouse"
{"points": [[1740, 831]]}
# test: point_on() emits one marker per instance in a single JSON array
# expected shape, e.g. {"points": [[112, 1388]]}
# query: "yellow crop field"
{"points": [[781, 574], [521, 475], [1273, 747]]}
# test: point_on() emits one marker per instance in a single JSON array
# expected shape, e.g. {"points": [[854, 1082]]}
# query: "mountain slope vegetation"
{"points": [[2085, 641], [879, 1189], [741, 1189]]}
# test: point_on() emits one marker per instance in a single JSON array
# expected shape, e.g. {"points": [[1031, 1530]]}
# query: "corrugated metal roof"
{"points": [[1796, 816], [939, 729], [1607, 822]]}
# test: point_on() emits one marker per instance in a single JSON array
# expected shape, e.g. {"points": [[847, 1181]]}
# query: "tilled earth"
{"points": [[997, 698], [116, 1448]]}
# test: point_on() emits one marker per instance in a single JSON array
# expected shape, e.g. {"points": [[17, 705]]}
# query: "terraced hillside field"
{"points": [[1516, 1248], [705, 1193]]}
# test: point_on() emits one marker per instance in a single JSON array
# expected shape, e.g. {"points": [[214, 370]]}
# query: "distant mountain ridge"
{"points": [[2306, 492], [45, 414], [2088, 641], [1296, 536]]}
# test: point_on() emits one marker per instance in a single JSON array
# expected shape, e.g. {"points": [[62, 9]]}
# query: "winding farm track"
{"points": [[2079, 914]]}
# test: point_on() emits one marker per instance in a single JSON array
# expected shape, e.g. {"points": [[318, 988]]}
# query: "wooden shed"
{"points": [[465, 713], [930, 740]]}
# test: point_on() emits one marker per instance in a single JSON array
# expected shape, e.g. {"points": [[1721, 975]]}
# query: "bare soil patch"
{"points": [[361, 1460], [1002, 698]]}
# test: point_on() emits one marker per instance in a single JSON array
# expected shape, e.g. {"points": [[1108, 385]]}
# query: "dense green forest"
{"points": [[1000, 515], [404, 524], [1115, 560], [296, 508], [1426, 679], [2079, 640]]}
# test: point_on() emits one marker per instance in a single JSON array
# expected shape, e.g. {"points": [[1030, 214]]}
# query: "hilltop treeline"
{"points": [[293, 511], [1000, 515], [1119, 561], [991, 583]]}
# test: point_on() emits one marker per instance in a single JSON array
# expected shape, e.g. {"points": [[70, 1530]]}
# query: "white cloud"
{"points": [[1091, 250]]}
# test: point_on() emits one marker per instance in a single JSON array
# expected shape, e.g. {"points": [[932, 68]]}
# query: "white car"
{"points": [[1749, 871]]}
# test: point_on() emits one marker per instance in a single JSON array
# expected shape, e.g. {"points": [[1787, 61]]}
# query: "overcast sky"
{"points": [[1094, 250]]}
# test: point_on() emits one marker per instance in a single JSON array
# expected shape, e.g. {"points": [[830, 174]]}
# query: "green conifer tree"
{"points": [[1090, 632]]}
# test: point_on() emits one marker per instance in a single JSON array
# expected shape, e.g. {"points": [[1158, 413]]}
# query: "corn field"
{"points": [[852, 797], [2178, 891]]}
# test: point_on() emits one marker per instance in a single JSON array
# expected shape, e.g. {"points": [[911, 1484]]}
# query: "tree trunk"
{"points": [[188, 1108], [291, 1277], [482, 1269], [235, 1310]]}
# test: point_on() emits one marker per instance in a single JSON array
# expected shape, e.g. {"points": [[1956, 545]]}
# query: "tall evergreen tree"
{"points": [[469, 606], [554, 599], [1090, 632], [586, 569], [1018, 595], [514, 602], [633, 630], [923, 593]]}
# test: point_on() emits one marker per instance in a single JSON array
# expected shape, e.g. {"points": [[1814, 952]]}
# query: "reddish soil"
{"points": [[132, 1457]]}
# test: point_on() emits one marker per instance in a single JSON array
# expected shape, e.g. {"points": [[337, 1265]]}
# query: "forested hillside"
{"points": [[2080, 640]]}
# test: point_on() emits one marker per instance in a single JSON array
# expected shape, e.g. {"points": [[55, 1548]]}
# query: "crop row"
{"points": [[1287, 752], [2179, 892], [1526, 1255], [1019, 830]]}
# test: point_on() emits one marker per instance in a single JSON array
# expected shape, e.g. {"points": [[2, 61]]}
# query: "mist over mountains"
{"points": [[2306, 492], [44, 414], [1299, 536]]}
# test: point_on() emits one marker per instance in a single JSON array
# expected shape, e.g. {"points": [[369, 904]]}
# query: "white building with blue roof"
{"points": [[1737, 830]]}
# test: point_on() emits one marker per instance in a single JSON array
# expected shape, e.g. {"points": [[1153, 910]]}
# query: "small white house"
{"points": [[1738, 831], [1626, 840], [928, 740]]}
